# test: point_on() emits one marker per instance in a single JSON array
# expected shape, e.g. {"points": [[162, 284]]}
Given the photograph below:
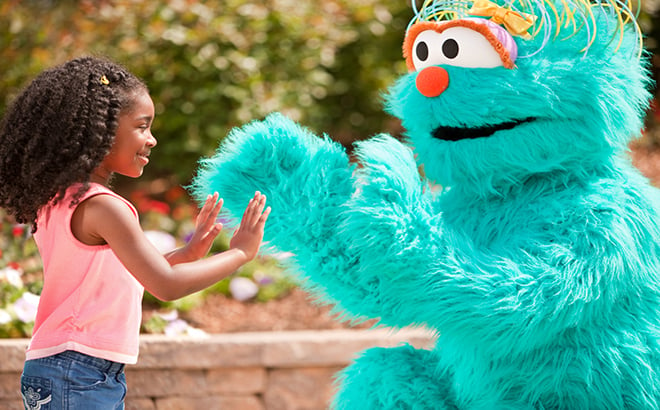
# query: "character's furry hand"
{"points": [[387, 164], [301, 174]]}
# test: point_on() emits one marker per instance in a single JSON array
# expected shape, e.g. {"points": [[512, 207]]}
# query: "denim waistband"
{"points": [[106, 366]]}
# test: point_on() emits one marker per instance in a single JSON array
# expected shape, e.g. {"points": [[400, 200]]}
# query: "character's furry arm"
{"points": [[311, 187], [306, 179]]}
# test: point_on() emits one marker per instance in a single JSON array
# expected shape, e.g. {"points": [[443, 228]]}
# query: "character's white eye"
{"points": [[455, 46]]}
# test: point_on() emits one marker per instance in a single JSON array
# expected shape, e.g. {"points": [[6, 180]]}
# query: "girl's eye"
{"points": [[455, 46]]}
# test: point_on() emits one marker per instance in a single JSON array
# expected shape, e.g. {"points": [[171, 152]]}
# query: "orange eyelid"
{"points": [[412, 34], [439, 27]]}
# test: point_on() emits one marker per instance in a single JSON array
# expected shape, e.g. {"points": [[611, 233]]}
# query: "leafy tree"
{"points": [[217, 64]]}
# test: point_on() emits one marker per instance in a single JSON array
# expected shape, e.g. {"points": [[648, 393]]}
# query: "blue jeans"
{"points": [[73, 381]]}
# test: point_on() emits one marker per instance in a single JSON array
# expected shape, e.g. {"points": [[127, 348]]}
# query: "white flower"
{"points": [[242, 288], [163, 241], [176, 327], [26, 307], [12, 276], [169, 316], [194, 332], [5, 317]]}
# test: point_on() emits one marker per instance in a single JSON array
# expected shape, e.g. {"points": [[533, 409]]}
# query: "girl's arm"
{"points": [[108, 220]]}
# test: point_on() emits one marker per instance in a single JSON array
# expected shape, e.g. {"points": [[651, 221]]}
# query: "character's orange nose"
{"points": [[432, 81]]}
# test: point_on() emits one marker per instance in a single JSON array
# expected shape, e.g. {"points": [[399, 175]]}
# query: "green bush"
{"points": [[217, 64]]}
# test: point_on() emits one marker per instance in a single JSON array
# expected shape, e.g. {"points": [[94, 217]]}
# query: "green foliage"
{"points": [[216, 64], [15, 329], [155, 324], [649, 20], [16, 245]]}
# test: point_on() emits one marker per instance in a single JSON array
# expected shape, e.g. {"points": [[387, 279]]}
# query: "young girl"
{"points": [[61, 141]]}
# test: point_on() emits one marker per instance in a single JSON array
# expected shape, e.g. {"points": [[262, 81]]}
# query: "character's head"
{"points": [[498, 92]]}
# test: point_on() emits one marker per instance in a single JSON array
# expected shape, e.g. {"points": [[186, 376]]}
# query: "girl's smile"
{"points": [[144, 156]]}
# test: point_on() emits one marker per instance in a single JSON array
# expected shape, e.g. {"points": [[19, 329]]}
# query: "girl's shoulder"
{"points": [[92, 189], [78, 196], [78, 192], [95, 189], [101, 210]]}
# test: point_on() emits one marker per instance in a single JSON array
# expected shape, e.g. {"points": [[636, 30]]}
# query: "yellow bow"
{"points": [[515, 23]]}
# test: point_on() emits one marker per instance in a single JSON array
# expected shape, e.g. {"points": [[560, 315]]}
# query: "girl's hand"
{"points": [[206, 230], [250, 232]]}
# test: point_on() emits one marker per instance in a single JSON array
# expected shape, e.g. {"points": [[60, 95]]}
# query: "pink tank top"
{"points": [[90, 302]]}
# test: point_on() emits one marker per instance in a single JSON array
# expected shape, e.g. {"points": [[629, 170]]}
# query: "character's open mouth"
{"points": [[457, 133]]}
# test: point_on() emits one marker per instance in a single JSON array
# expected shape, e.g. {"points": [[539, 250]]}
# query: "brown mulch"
{"points": [[297, 311]]}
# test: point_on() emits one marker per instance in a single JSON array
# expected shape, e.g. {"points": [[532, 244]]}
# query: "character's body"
{"points": [[537, 263]]}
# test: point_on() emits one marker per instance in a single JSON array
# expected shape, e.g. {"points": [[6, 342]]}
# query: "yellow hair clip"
{"points": [[515, 23], [104, 80]]}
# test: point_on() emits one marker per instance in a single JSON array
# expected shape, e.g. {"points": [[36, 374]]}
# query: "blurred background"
{"points": [[210, 66]]}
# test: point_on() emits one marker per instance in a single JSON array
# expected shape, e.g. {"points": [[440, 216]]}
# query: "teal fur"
{"points": [[536, 263]]}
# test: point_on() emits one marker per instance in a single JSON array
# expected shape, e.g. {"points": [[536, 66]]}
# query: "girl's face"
{"points": [[133, 141]]}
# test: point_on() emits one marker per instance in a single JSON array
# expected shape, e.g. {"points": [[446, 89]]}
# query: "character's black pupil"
{"points": [[422, 51], [450, 48]]}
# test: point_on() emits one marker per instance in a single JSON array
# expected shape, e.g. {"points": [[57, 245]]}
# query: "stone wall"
{"points": [[241, 371]]}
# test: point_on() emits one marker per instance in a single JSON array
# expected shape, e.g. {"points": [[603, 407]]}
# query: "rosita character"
{"points": [[536, 262]]}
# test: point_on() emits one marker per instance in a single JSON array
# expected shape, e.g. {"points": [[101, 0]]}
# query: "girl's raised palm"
{"points": [[250, 232], [206, 228]]}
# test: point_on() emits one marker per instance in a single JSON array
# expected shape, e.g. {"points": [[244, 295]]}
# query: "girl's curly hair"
{"points": [[58, 130]]}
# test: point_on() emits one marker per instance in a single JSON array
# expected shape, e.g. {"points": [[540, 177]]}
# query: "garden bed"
{"points": [[293, 311]]}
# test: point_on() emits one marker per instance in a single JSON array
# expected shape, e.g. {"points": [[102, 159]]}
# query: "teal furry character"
{"points": [[536, 263]]}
